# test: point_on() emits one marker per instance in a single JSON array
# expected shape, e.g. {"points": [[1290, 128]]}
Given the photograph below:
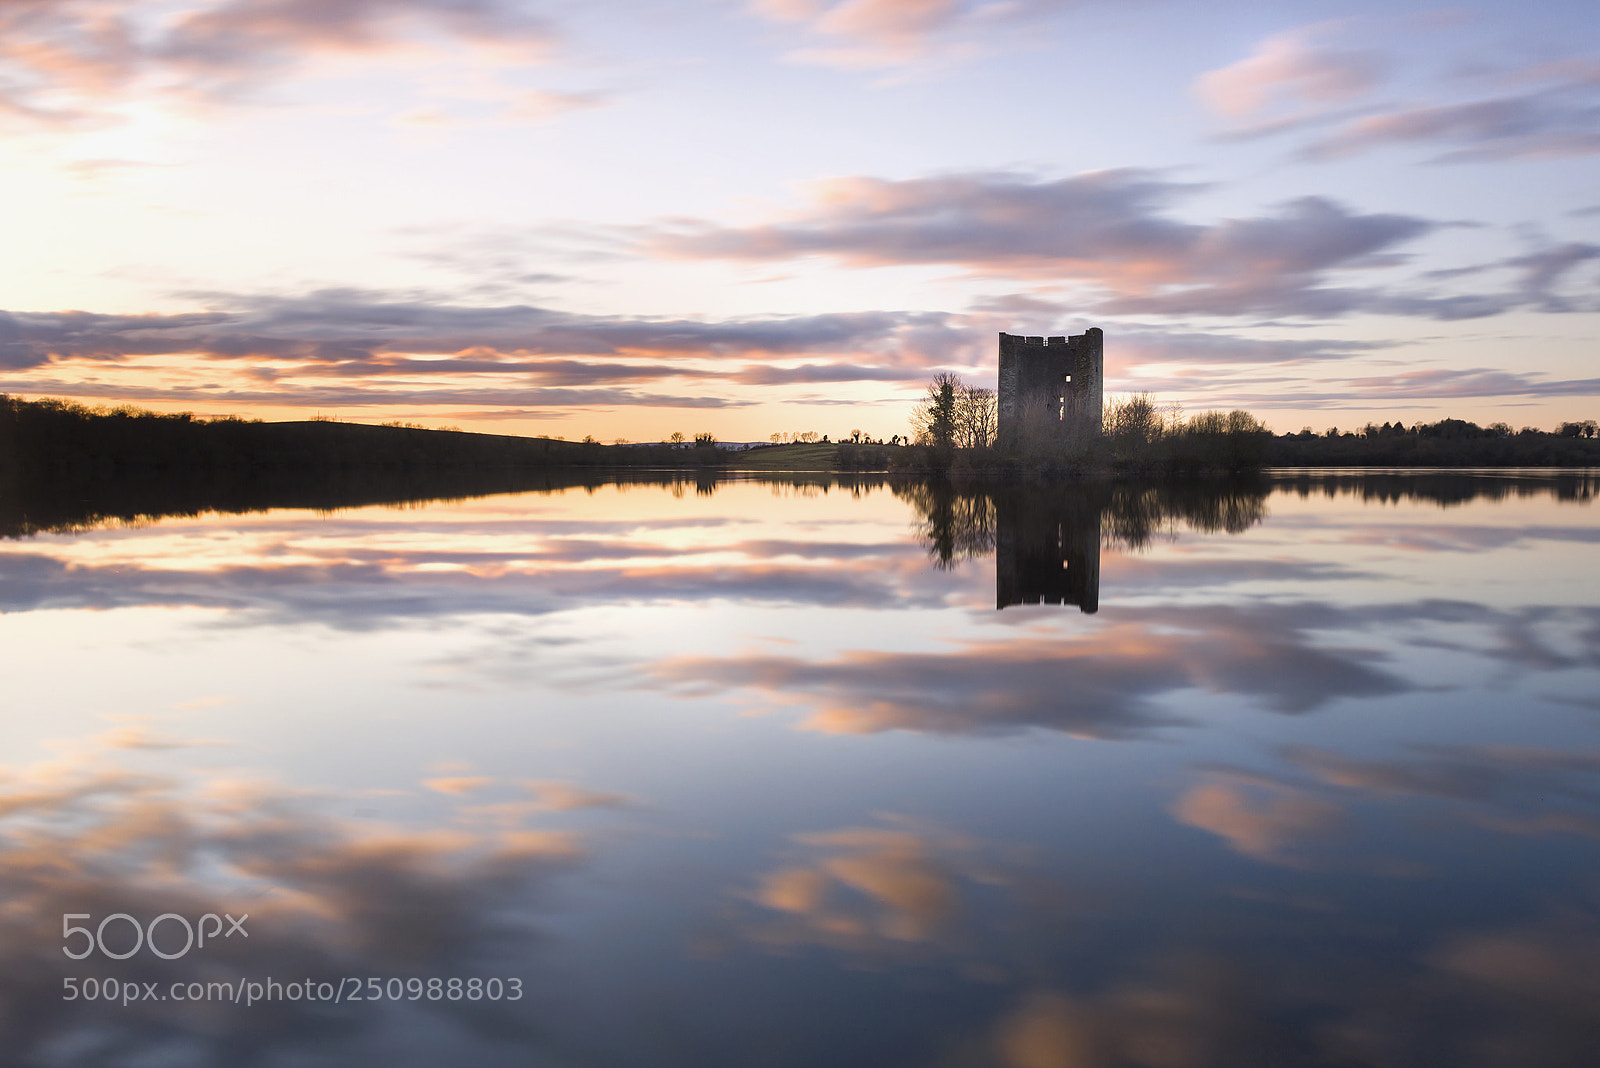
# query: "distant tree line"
{"points": [[955, 425], [1443, 443], [56, 438]]}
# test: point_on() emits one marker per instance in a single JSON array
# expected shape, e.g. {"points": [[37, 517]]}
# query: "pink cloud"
{"points": [[1553, 124], [889, 33], [1109, 230], [1289, 68], [69, 60]]}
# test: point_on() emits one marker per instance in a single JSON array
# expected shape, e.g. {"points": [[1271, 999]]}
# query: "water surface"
{"points": [[774, 773]]}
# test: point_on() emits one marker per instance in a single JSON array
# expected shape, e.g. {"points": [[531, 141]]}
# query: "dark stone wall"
{"points": [[1051, 388]]}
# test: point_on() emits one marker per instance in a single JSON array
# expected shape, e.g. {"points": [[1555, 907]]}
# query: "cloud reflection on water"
{"points": [[869, 890], [1105, 683], [1358, 879], [327, 898]]}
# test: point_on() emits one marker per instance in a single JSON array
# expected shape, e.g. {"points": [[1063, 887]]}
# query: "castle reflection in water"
{"points": [[1047, 551]]}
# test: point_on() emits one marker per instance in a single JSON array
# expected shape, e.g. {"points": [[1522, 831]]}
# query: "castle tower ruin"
{"points": [[1051, 388]]}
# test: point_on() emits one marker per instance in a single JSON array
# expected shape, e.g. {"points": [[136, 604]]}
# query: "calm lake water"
{"points": [[753, 773]]}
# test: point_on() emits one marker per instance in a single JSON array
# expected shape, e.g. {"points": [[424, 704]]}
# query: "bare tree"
{"points": [[1135, 420], [955, 414], [977, 417]]}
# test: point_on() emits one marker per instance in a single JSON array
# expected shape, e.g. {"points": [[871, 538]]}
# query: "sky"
{"points": [[748, 217]]}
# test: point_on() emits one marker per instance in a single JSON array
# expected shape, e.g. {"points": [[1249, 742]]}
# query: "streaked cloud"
{"points": [[1291, 69], [1298, 83], [1109, 231], [1555, 123], [869, 34], [345, 347], [1432, 384], [69, 61], [1470, 382], [1148, 345], [341, 325]]}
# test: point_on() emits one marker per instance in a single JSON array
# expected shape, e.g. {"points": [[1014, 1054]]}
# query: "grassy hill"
{"points": [[813, 456]]}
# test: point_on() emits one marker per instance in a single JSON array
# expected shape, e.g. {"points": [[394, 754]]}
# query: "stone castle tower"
{"points": [[1051, 388]]}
